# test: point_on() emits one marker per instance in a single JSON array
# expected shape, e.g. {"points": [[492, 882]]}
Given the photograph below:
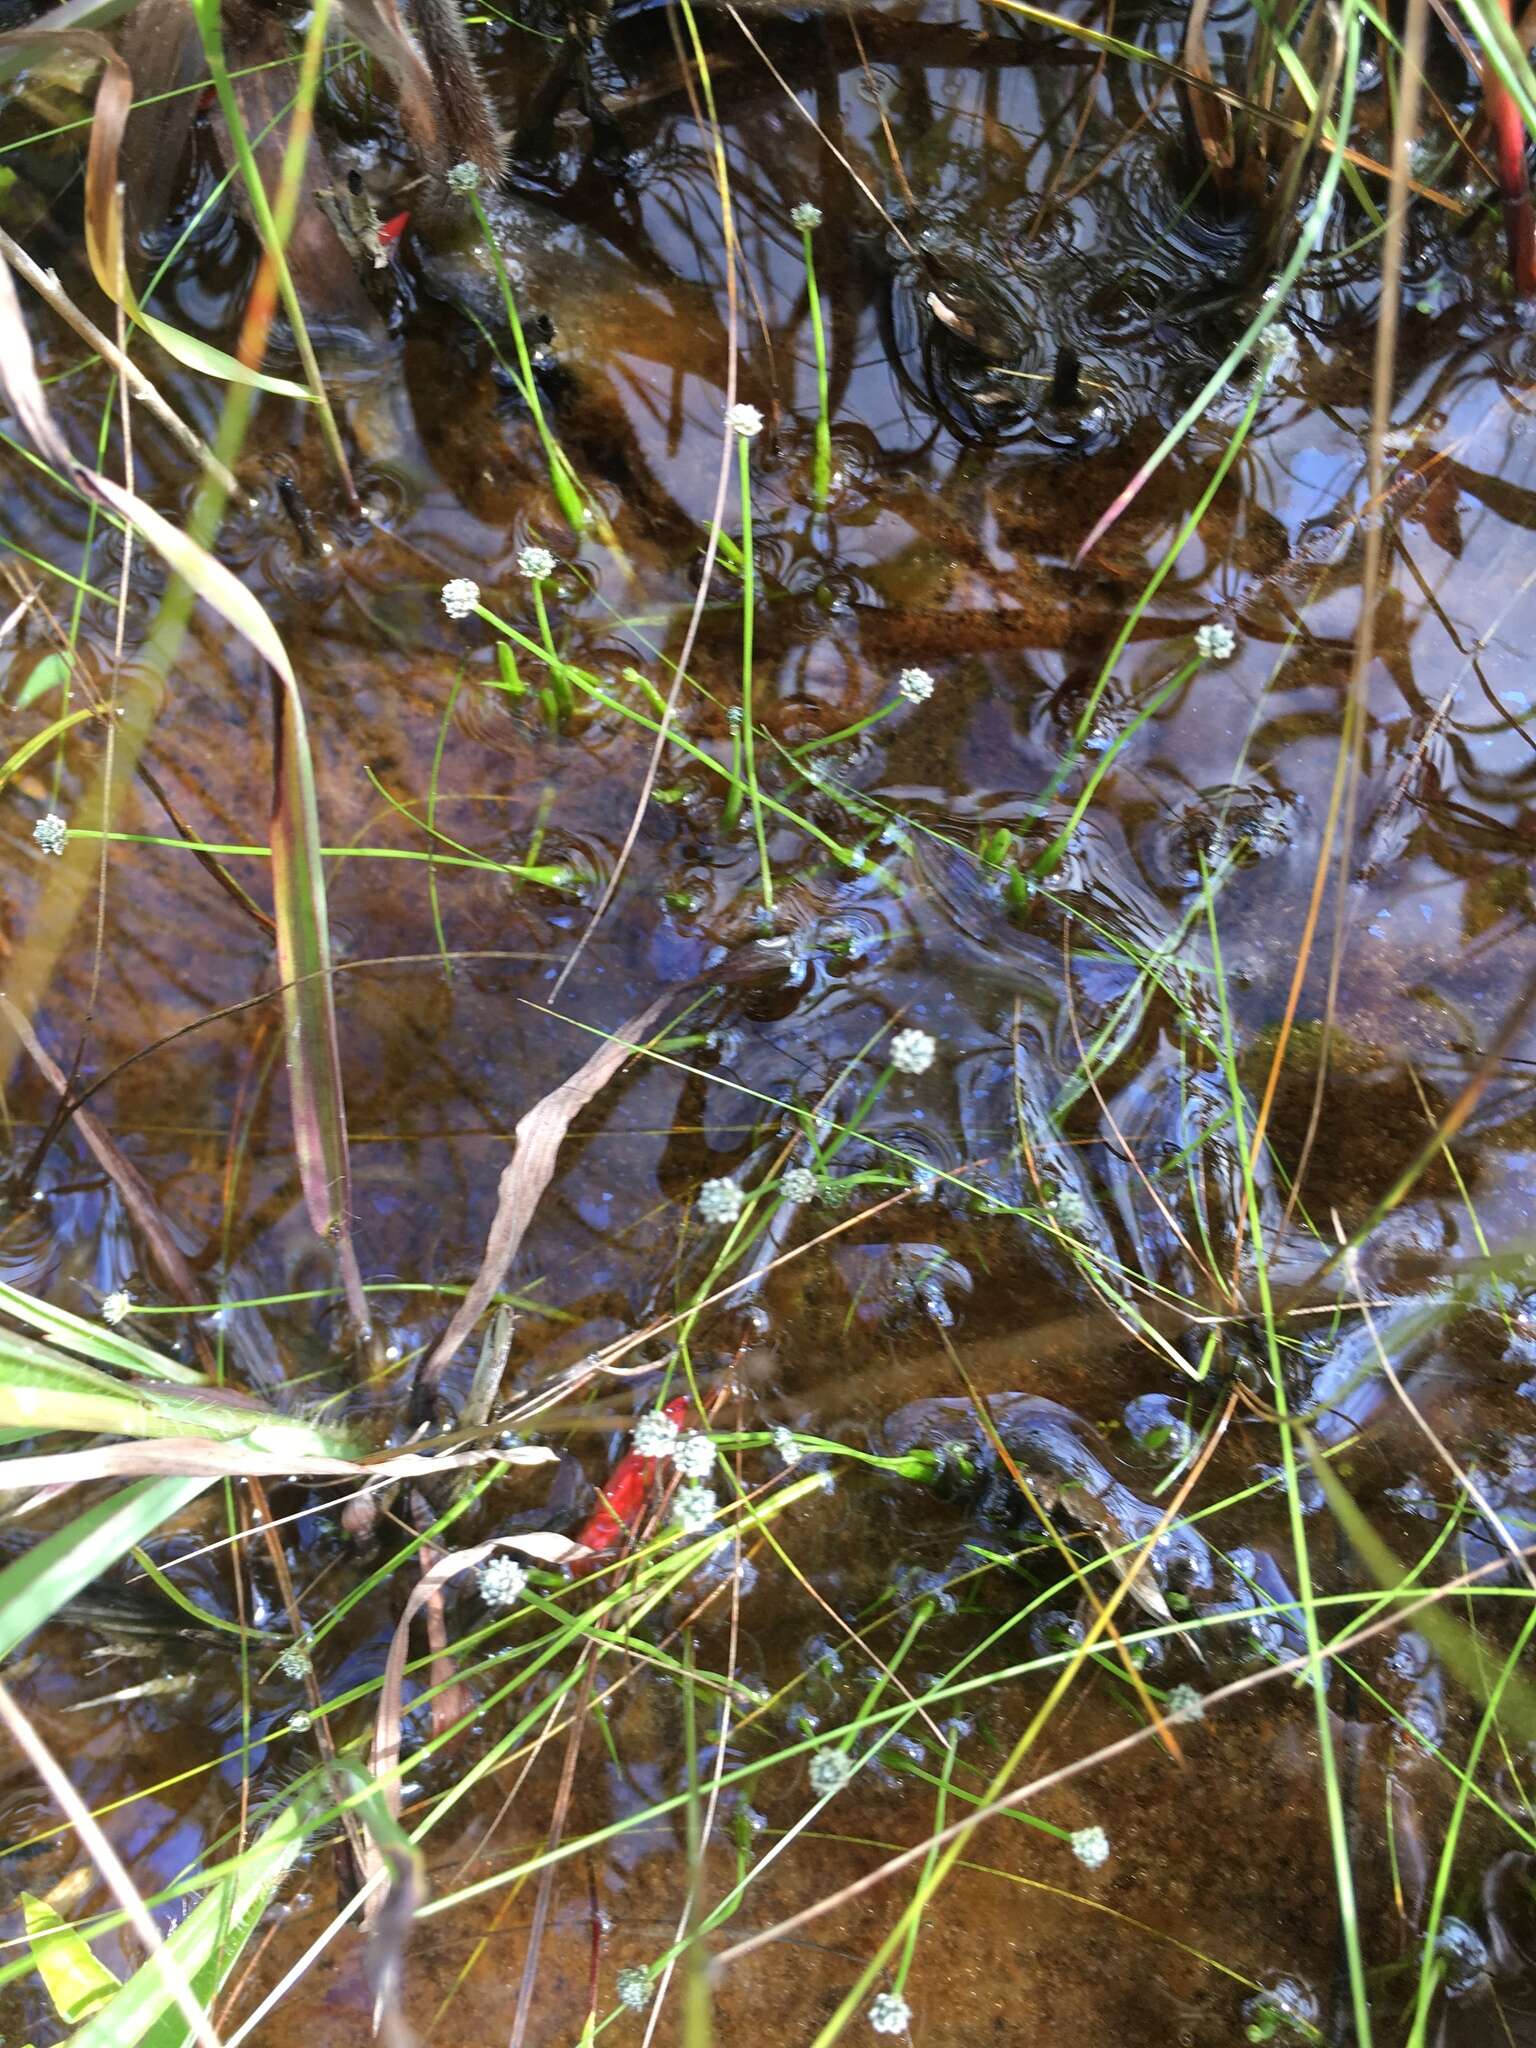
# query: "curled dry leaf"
{"points": [[536, 1145], [383, 1767]]}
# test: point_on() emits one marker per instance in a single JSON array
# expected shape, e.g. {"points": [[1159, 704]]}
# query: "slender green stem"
{"points": [[821, 476], [562, 479], [748, 609]]}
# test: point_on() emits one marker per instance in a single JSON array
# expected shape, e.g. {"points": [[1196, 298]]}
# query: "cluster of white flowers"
{"points": [[1215, 643], [830, 1771], [695, 1508], [536, 563], [915, 684], [694, 1456], [721, 1201], [912, 1052], [460, 597], [300, 1723], [890, 2013], [798, 1185], [745, 420], [784, 1443], [117, 1307], [1186, 1704], [805, 216], [1091, 1847], [464, 177], [655, 1434], [52, 833], [294, 1663], [501, 1581], [634, 1988]]}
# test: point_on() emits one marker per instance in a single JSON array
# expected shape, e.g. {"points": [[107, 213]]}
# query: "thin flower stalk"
{"points": [[562, 478], [821, 473], [748, 608]]}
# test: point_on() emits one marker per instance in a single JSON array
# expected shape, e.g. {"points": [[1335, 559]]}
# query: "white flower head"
{"points": [[784, 1443], [1216, 643], [300, 1723], [634, 1988], [830, 1771], [1186, 1704], [745, 420], [655, 1435], [695, 1507], [890, 2013], [460, 596], [694, 1456], [294, 1662], [117, 1307], [912, 1052], [915, 684], [805, 216], [1091, 1847], [798, 1185], [721, 1201], [52, 833], [537, 564], [464, 177], [501, 1581]]}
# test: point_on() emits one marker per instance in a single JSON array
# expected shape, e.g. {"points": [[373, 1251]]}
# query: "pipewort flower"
{"points": [[694, 1456], [1186, 1704], [294, 1663], [501, 1581], [798, 1185], [890, 2013], [1215, 643], [830, 1771], [745, 420], [464, 178], [721, 1201], [634, 1988], [806, 216], [536, 563], [912, 1052], [655, 1435], [52, 834], [117, 1307], [460, 596], [784, 1443], [915, 684], [695, 1508], [1091, 1847]]}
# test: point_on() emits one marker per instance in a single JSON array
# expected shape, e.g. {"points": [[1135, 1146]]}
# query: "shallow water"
{"points": [[961, 496]]}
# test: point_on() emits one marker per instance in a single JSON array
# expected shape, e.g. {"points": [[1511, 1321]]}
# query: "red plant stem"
{"points": [[1514, 184], [622, 1501]]}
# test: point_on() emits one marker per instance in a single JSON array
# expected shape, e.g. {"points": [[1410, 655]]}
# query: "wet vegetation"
{"points": [[766, 1262]]}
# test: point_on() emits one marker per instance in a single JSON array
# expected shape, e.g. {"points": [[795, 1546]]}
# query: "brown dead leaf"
{"points": [[536, 1144]]}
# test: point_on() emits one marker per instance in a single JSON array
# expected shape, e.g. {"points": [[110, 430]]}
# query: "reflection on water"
{"points": [[1039, 205]]}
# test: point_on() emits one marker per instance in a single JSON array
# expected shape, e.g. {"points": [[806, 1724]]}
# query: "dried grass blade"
{"points": [[383, 1763], [218, 1458], [124, 1175], [303, 941], [1209, 118], [536, 1144]]}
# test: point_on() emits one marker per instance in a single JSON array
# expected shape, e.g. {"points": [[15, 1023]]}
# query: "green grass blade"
{"points": [[36, 1586]]}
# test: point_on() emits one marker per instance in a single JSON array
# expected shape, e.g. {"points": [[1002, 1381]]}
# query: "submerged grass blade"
{"points": [[35, 1586]]}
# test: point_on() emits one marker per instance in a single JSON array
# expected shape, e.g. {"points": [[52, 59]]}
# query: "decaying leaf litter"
{"points": [[811, 726]]}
